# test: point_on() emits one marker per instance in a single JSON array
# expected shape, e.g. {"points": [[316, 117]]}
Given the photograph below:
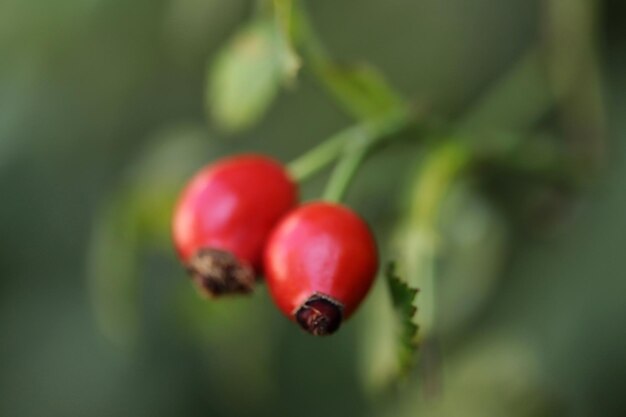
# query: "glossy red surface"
{"points": [[233, 205], [320, 248]]}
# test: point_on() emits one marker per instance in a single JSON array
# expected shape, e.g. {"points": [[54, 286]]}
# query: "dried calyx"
{"points": [[216, 272], [320, 315]]}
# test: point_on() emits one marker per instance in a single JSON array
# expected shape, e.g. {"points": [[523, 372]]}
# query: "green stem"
{"points": [[572, 62], [344, 84], [363, 139], [359, 138], [516, 101], [344, 171], [312, 46], [320, 156], [508, 97], [366, 134]]}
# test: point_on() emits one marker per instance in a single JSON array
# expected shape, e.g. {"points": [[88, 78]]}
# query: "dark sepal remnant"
{"points": [[320, 315], [216, 272]]}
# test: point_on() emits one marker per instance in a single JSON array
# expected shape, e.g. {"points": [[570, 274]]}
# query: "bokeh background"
{"points": [[102, 117]]}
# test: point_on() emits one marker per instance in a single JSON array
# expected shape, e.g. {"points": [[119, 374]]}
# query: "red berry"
{"points": [[223, 219], [320, 262]]}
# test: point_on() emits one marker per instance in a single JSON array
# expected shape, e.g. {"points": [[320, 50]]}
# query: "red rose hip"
{"points": [[223, 218], [320, 262]]}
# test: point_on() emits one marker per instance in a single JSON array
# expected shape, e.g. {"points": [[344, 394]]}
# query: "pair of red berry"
{"points": [[239, 218]]}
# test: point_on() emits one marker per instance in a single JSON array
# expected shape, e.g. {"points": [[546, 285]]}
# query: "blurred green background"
{"points": [[102, 117]]}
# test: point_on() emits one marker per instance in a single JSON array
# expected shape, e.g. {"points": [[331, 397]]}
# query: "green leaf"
{"points": [[362, 90], [388, 343], [403, 298], [245, 77]]}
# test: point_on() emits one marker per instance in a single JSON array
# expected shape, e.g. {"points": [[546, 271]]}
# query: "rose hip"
{"points": [[223, 218], [320, 263]]}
